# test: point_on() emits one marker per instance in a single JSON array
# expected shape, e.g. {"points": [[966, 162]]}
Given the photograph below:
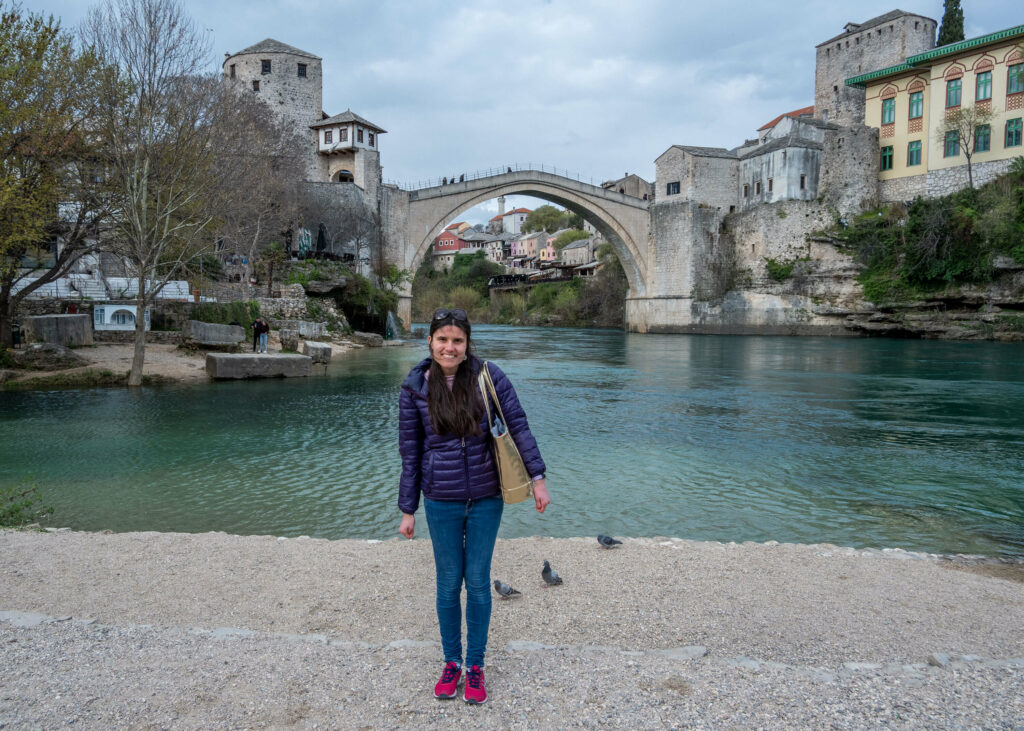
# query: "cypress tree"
{"points": [[952, 28]]}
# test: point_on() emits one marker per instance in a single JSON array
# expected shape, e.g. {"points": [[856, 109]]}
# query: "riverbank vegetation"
{"points": [[597, 301], [938, 245], [21, 505]]}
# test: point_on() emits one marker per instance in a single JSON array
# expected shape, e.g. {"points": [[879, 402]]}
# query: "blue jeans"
{"points": [[463, 535], [263, 342]]}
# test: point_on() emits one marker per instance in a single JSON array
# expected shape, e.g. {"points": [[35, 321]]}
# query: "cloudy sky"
{"points": [[596, 87]]}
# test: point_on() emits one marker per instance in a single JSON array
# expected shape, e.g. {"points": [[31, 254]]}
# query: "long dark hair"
{"points": [[456, 411]]}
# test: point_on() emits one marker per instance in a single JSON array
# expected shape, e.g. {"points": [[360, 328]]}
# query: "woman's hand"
{"points": [[408, 525], [540, 494]]}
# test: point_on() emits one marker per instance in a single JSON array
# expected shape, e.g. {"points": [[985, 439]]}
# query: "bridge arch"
{"points": [[622, 220]]}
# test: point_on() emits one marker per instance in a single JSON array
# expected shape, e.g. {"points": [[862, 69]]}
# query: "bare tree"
{"points": [[262, 184], [970, 125], [159, 120]]}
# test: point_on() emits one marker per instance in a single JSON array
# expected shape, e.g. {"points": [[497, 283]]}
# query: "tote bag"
{"points": [[516, 483]]}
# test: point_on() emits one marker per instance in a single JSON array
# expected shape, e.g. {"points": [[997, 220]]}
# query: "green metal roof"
{"points": [[863, 79], [964, 45], [922, 58]]}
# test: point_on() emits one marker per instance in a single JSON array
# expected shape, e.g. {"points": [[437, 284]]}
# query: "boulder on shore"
{"points": [[372, 340], [319, 352], [47, 357], [289, 340], [211, 334], [58, 329]]}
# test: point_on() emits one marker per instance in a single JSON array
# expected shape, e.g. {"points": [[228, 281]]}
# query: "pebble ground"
{"points": [[153, 630]]}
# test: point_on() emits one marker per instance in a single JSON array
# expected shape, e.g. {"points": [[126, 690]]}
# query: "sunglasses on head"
{"points": [[444, 313]]}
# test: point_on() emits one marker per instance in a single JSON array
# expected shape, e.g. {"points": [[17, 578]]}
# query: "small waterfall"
{"points": [[391, 329]]}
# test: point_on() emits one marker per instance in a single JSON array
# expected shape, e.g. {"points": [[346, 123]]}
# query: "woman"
{"points": [[446, 456]]}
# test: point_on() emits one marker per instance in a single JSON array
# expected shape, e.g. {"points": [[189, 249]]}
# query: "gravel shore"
{"points": [[222, 631]]}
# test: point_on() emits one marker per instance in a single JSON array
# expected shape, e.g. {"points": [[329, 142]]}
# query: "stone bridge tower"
{"points": [[863, 47], [291, 82]]}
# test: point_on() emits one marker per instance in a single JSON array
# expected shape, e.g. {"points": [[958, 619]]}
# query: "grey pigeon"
{"points": [[608, 542], [549, 575], [505, 591]]}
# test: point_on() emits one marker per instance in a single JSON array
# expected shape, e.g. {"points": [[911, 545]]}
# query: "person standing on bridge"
{"points": [[444, 440]]}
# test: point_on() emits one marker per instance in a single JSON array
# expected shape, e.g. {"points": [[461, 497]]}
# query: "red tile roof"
{"points": [[518, 210], [498, 217], [794, 113]]}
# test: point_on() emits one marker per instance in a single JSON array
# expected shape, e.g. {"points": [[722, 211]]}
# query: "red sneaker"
{"points": [[474, 692], [448, 685]]}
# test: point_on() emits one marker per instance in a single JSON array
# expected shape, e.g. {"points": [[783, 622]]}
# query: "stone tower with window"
{"points": [[861, 48], [291, 82]]}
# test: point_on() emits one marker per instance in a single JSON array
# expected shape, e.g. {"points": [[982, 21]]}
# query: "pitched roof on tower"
{"points": [[269, 45], [345, 117]]}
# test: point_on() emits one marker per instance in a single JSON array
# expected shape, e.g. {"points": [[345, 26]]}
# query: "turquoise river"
{"points": [[884, 443]]}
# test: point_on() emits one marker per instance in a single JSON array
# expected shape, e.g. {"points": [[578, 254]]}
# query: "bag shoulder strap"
{"points": [[486, 382]]}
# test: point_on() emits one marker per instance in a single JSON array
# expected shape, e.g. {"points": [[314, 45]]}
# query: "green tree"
{"points": [[546, 218], [567, 237], [952, 28], [49, 169]]}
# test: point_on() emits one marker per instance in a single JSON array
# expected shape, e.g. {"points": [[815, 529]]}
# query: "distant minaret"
{"points": [[501, 205]]}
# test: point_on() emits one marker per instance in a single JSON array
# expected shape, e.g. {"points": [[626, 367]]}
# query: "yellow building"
{"points": [[909, 103]]}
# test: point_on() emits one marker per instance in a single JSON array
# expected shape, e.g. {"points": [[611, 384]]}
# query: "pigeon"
{"points": [[506, 591], [608, 542], [549, 575]]}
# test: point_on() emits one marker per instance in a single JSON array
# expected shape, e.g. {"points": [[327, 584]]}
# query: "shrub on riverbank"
{"points": [[21, 505], [931, 245]]}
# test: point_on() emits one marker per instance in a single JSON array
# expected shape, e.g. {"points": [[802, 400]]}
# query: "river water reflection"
{"points": [[879, 443]]}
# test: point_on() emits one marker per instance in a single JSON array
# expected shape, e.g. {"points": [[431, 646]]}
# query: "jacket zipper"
{"points": [[465, 470]]}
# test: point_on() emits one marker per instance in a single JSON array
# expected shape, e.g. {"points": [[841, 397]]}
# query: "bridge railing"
{"points": [[477, 174]]}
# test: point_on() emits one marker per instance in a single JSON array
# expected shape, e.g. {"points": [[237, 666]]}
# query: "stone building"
{"points": [[631, 184], [908, 103], [291, 82], [344, 148], [704, 175], [860, 48]]}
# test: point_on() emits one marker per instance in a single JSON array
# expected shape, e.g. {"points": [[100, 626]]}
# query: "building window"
{"points": [[328, 136], [343, 134], [982, 138], [757, 188], [302, 70], [770, 186], [951, 148], [672, 188], [1013, 129], [232, 67], [371, 139], [265, 66], [914, 153], [746, 190], [1015, 79], [916, 105], [256, 85], [888, 111], [953, 93], [886, 160], [803, 182], [359, 135], [983, 86]]}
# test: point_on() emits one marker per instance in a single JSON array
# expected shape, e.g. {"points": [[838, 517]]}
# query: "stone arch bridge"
{"points": [[413, 219]]}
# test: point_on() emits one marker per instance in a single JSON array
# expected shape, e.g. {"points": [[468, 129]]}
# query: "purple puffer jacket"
{"points": [[446, 467]]}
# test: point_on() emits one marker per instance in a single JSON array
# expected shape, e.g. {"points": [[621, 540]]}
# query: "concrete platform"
{"points": [[257, 365]]}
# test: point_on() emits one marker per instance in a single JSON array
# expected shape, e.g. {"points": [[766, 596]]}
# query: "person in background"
{"points": [[445, 444]]}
